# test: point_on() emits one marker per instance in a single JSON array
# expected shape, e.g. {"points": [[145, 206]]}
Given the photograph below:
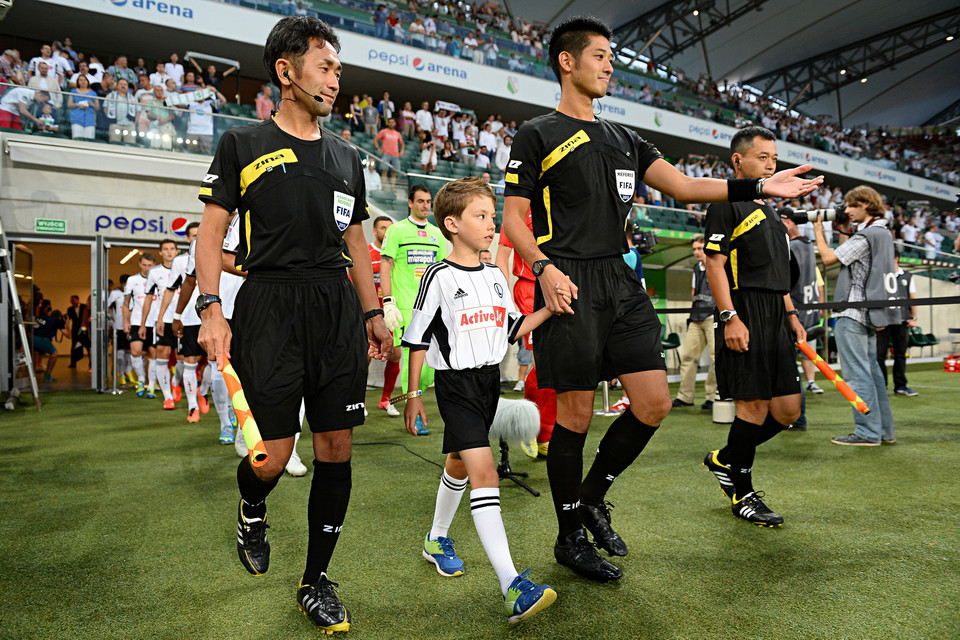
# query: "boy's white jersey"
{"points": [[463, 316], [137, 290], [157, 279]]}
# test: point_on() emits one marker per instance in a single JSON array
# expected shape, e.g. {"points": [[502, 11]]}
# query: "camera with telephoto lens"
{"points": [[836, 214], [644, 241]]}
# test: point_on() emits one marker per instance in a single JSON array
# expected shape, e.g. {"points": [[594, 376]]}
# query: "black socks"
{"points": [[621, 445], [327, 507], [565, 471]]}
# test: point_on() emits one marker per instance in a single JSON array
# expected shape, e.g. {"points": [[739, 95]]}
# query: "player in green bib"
{"points": [[410, 246]]}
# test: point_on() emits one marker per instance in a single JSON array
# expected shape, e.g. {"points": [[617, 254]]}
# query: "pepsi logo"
{"points": [[417, 63], [715, 133], [118, 3], [179, 225]]}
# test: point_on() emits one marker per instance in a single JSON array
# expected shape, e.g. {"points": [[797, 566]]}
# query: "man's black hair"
{"points": [[743, 139], [380, 219], [192, 225], [572, 35], [290, 38], [418, 187]]}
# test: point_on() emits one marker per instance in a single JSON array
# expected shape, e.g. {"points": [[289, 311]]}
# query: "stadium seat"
{"points": [[670, 343]]}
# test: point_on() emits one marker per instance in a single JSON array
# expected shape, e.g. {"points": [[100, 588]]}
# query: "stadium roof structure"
{"points": [[910, 74]]}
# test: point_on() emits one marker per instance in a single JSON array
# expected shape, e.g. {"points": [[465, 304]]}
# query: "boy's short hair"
{"points": [[147, 256], [454, 197], [869, 197]]}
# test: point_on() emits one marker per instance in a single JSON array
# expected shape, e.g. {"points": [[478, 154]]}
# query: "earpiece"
{"points": [[286, 74]]}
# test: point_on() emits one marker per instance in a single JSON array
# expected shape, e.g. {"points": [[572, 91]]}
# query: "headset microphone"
{"points": [[286, 74]]}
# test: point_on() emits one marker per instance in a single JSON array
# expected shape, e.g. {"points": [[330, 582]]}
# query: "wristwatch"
{"points": [[204, 300], [539, 266], [726, 315], [793, 313]]}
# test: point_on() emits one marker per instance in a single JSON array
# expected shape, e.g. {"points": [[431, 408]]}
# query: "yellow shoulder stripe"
{"points": [[713, 246], [252, 172], [748, 223], [546, 205], [511, 178], [733, 269], [206, 191], [558, 154]]}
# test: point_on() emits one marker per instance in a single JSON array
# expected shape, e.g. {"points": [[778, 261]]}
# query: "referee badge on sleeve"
{"points": [[626, 183], [343, 209]]}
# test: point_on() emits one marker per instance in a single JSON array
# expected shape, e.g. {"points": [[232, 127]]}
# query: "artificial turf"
{"points": [[118, 521]]}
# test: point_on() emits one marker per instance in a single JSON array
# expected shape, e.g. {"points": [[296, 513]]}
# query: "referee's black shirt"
{"points": [[295, 198], [580, 178], [755, 242]]}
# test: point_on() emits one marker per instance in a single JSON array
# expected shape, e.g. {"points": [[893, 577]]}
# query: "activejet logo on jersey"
{"points": [[133, 226], [165, 8], [416, 63], [481, 318]]}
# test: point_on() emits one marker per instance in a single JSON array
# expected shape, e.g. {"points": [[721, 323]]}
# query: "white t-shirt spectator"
{"points": [[502, 157], [372, 180], [157, 78], [96, 70], [490, 52], [11, 100], [909, 233], [457, 128], [483, 161], [495, 126], [442, 125], [487, 139], [424, 120], [932, 241], [175, 71], [200, 124]]}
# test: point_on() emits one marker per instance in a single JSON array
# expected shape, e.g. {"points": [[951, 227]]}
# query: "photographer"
{"points": [[866, 273]]}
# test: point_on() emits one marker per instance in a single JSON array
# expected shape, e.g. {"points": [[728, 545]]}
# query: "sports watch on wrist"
{"points": [[538, 267], [726, 315], [204, 300]]}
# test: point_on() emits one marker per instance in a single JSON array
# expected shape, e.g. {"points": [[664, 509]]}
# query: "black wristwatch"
{"points": [[793, 313], [204, 300], [539, 266]]}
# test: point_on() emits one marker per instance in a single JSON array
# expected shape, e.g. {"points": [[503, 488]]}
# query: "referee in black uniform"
{"points": [[298, 324], [748, 265], [578, 174]]}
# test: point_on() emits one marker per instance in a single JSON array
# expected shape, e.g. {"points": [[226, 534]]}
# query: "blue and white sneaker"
{"points": [[226, 434], [440, 552], [525, 598]]}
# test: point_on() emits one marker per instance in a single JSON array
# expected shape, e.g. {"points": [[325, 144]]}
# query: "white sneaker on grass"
{"points": [[295, 466]]}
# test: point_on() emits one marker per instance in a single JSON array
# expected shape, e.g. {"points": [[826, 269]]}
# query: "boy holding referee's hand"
{"points": [[463, 318]]}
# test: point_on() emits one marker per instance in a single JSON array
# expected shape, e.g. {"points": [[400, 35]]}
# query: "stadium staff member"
{"points": [[748, 264], [897, 335], [561, 165], [298, 325], [808, 289], [866, 273], [699, 334]]}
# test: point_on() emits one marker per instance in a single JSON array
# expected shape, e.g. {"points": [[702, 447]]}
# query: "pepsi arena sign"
{"points": [[177, 226], [165, 8], [806, 158], [708, 132], [416, 63]]}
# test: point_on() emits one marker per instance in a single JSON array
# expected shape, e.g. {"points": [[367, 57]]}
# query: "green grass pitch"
{"points": [[118, 521]]}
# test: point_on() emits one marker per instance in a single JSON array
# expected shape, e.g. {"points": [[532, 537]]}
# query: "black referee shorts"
{"points": [[467, 400], [189, 345], [614, 329], [300, 335], [768, 369], [167, 339]]}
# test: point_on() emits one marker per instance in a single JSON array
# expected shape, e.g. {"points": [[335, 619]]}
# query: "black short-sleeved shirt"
{"points": [[755, 242], [580, 178], [294, 197]]}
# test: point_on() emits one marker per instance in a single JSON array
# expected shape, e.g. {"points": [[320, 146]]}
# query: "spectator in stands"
{"points": [[389, 142], [46, 56], [119, 70], [428, 152], [408, 120], [910, 232], [371, 119], [471, 49], [502, 155], [488, 140], [346, 134], [380, 22], [371, 177], [48, 119], [7, 74], [174, 69], [398, 34], [385, 108], [83, 106], [448, 153], [96, 68], [141, 68], [42, 81], [143, 87], [288, 8], [483, 158], [430, 26], [170, 87], [418, 33], [423, 117], [162, 128], [17, 104], [121, 111], [393, 22], [441, 126], [468, 148], [458, 126], [200, 124], [159, 77], [82, 69], [61, 59], [932, 240], [265, 103], [491, 52], [189, 82]]}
